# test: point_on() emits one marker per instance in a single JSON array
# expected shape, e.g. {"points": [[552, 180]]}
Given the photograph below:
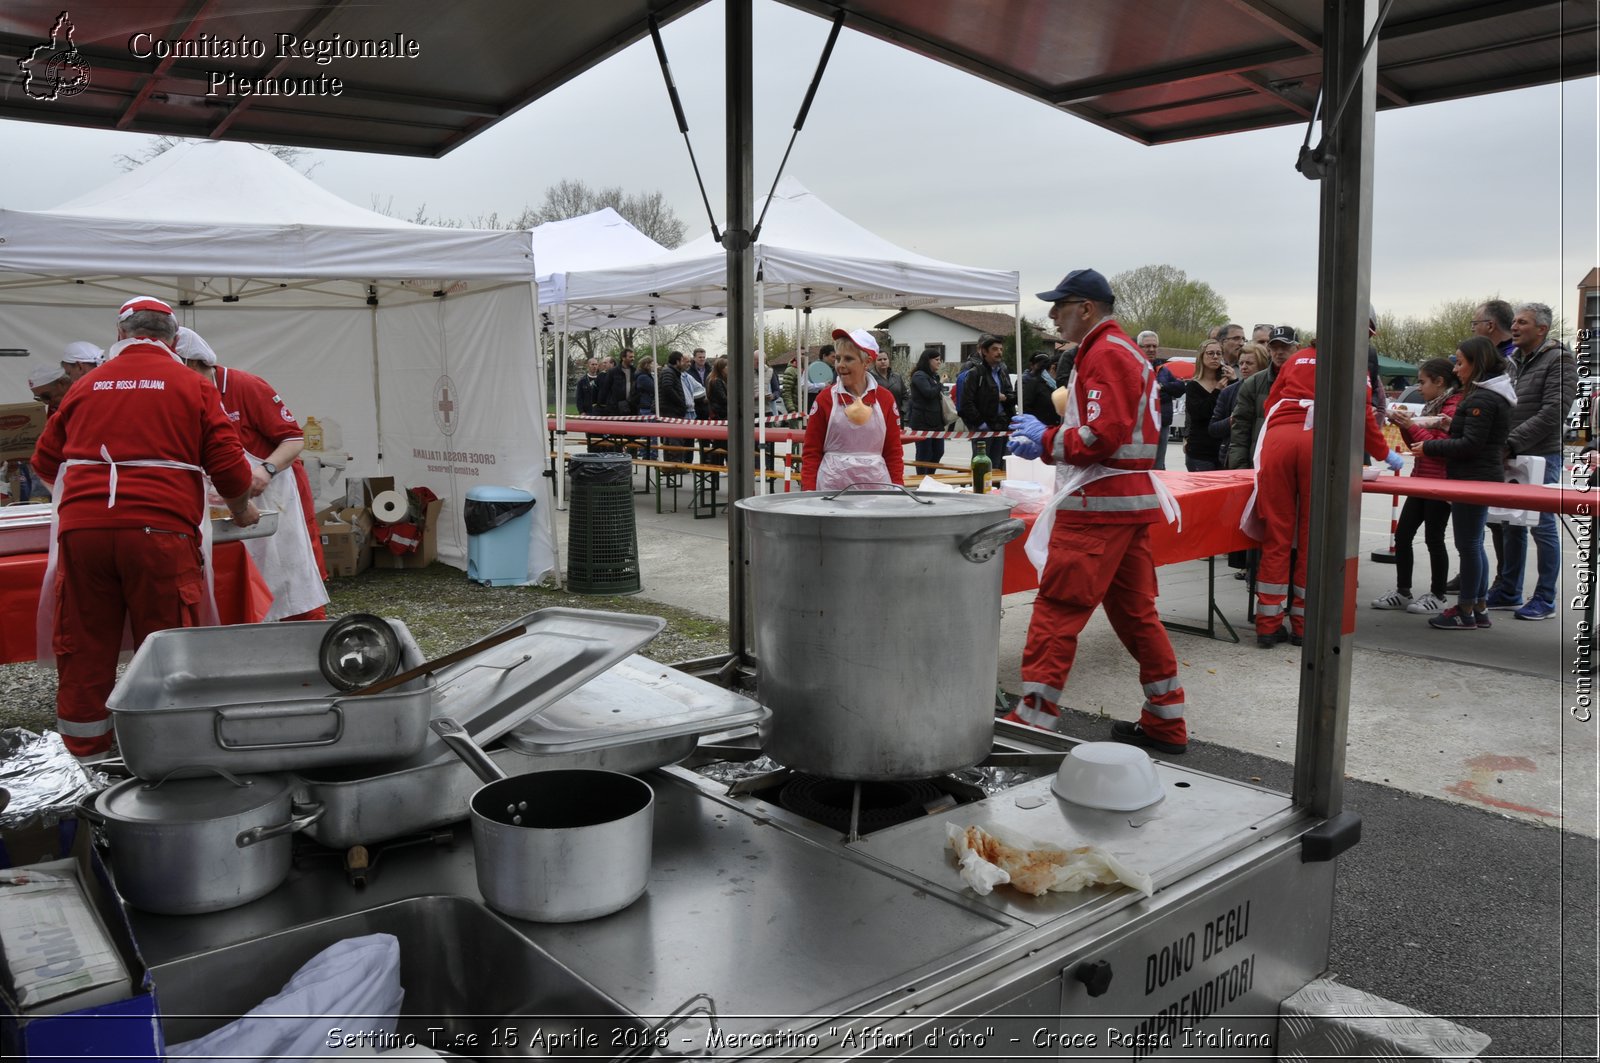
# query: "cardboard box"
{"points": [[346, 540], [21, 424], [425, 554], [114, 1020]]}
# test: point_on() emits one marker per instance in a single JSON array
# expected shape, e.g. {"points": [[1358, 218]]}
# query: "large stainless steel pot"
{"points": [[556, 846], [877, 628], [186, 846]]}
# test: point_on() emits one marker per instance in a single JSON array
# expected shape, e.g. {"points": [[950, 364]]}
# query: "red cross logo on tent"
{"points": [[446, 401]]}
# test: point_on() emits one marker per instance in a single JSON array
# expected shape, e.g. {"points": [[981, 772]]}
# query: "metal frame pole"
{"points": [[738, 46], [1343, 281]]}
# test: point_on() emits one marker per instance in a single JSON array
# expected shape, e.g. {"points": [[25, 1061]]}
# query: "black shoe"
{"points": [[1295, 640], [1453, 586], [1133, 734], [1275, 638]]}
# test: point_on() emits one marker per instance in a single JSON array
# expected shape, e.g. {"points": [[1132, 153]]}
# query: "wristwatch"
{"points": [[272, 470]]}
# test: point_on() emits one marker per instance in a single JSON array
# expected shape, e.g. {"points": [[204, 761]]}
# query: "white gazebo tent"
{"points": [[807, 255], [420, 343]]}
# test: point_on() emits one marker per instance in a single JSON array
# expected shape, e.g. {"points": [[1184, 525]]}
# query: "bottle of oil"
{"points": [[313, 434], [980, 467]]}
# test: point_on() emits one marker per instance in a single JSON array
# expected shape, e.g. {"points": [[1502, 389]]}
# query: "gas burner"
{"points": [[830, 802]]}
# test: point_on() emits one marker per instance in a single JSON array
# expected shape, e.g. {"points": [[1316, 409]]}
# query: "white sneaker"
{"points": [[1425, 604], [1392, 600]]}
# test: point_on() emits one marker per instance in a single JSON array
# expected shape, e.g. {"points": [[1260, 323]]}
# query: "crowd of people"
{"points": [[136, 440]]}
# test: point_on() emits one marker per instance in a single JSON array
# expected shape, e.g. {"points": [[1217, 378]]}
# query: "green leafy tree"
{"points": [[1163, 299]]}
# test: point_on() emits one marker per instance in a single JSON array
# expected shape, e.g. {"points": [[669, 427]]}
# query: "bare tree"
{"points": [[648, 212], [158, 146]]}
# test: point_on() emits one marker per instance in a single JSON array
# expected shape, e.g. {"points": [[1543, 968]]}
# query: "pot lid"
{"points": [[637, 701], [886, 503], [491, 692], [190, 800]]}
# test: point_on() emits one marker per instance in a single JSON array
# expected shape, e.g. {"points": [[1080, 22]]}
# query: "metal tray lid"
{"points": [[491, 692], [639, 700]]}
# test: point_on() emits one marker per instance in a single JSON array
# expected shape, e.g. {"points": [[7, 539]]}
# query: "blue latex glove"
{"points": [[1027, 436], [1394, 460], [1026, 424], [1023, 447]]}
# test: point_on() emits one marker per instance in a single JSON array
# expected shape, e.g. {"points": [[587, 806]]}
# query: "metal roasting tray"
{"points": [[369, 804], [25, 529], [493, 691], [637, 701], [251, 698], [224, 530]]}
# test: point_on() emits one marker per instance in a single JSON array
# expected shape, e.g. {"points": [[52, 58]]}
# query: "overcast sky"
{"points": [[1490, 195]]}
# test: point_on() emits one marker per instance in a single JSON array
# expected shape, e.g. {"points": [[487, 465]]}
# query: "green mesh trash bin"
{"points": [[602, 543]]}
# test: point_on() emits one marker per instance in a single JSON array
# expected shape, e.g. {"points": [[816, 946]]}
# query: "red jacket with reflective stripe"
{"points": [[1298, 380], [143, 404], [1119, 419]]}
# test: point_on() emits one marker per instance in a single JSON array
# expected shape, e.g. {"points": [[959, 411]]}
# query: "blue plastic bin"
{"points": [[498, 556]]}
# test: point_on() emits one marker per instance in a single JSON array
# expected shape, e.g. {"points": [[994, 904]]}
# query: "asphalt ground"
{"points": [[1472, 894]]}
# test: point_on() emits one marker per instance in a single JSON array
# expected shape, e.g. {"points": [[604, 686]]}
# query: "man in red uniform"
{"points": [[1282, 499], [292, 565], [125, 454], [1098, 527]]}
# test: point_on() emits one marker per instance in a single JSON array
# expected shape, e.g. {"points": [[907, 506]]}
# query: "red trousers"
{"points": [[1109, 565], [104, 578], [1283, 498]]}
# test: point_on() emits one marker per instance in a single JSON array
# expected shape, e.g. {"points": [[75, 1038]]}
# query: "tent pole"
{"points": [[561, 424], [1344, 279], [377, 389], [555, 532], [1016, 324], [739, 129]]}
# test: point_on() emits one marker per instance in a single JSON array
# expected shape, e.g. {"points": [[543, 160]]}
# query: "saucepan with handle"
{"points": [[556, 846]]}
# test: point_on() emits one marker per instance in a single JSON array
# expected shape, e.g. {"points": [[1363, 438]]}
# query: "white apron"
{"points": [[1251, 521], [285, 557], [45, 621], [851, 453], [1073, 478]]}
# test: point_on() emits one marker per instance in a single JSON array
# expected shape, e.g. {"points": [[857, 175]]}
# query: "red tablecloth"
{"points": [[242, 596], [1570, 500], [1212, 504]]}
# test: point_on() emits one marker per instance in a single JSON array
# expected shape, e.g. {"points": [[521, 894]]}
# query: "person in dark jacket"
{"points": [[1037, 388], [988, 400], [616, 389], [926, 411], [1251, 358], [716, 452], [884, 375], [588, 389], [1546, 387], [1200, 400], [1475, 450], [1066, 355]]}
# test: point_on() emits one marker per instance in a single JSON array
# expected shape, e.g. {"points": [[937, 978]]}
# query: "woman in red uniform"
{"points": [[1282, 498], [853, 436]]}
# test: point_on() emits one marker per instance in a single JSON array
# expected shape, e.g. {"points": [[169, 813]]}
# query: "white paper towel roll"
{"points": [[389, 507]]}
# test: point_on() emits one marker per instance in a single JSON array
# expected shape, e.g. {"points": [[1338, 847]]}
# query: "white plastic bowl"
{"points": [[1108, 775]]}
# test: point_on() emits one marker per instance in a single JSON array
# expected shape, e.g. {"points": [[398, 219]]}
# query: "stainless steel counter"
{"points": [[782, 924]]}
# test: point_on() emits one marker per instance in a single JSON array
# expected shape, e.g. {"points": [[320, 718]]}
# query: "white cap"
{"points": [[858, 336], [83, 351], [191, 348], [44, 373], [141, 302]]}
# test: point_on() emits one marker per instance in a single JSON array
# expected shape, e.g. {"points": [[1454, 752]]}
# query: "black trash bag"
{"points": [[481, 516], [596, 469]]}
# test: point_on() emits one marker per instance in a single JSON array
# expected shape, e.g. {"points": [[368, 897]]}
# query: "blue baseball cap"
{"points": [[1083, 283]]}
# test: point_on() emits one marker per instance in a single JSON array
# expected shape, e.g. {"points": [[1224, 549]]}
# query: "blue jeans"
{"points": [[1161, 449], [1467, 523], [930, 451], [1547, 541], [1194, 464]]}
